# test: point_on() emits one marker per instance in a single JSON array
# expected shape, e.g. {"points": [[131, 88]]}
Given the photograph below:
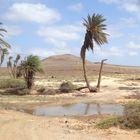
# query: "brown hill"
{"points": [[63, 62], [71, 65], [68, 65]]}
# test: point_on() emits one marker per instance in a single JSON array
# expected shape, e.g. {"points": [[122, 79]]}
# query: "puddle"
{"points": [[79, 109]]}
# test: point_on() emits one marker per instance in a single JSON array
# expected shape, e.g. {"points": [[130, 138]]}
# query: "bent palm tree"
{"points": [[94, 33]]}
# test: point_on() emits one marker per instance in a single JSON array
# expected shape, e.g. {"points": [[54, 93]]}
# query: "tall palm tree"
{"points": [[10, 66], [29, 67], [15, 65], [3, 53], [95, 28], [3, 43]]}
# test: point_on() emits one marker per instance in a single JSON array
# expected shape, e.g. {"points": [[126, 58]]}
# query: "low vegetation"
{"points": [[130, 119], [67, 87], [12, 83], [114, 121]]}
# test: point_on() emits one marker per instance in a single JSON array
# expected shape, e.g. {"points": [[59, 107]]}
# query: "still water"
{"points": [[79, 110]]}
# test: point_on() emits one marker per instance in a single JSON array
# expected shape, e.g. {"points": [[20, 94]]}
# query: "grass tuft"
{"points": [[108, 123]]}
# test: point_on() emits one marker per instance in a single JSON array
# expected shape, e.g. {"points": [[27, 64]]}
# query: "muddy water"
{"points": [[80, 109]]}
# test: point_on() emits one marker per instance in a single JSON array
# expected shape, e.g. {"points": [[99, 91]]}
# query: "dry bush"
{"points": [[131, 117], [15, 91], [67, 87]]}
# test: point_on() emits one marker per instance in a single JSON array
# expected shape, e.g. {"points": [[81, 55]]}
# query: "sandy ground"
{"points": [[22, 126], [112, 90]]}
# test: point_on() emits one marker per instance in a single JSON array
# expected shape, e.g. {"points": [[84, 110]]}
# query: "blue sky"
{"points": [[53, 27]]}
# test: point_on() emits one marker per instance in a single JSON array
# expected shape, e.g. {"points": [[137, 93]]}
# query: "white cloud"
{"points": [[37, 13], [132, 53], [13, 30], [131, 6], [114, 31], [76, 7], [133, 45], [112, 51], [115, 52], [109, 1], [43, 51], [134, 37], [24, 0], [66, 32], [58, 37], [128, 22]]}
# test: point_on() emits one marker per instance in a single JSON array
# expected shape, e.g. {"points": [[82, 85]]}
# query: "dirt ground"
{"points": [[21, 126]]}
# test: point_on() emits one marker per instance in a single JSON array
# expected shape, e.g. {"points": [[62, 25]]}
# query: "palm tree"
{"points": [[29, 67], [10, 66], [3, 52], [3, 43], [15, 65], [95, 28]]}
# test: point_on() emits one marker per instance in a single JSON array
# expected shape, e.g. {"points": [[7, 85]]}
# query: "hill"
{"points": [[71, 65], [68, 65]]}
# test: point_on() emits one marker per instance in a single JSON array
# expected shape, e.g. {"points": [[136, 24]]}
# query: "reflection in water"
{"points": [[80, 109], [98, 109], [87, 109]]}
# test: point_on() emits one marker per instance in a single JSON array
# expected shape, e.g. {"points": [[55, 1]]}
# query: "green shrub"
{"points": [[12, 83], [108, 123], [67, 87]]}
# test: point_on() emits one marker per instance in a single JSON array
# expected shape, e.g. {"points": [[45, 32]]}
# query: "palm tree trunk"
{"points": [[100, 74], [85, 75], [9, 71]]}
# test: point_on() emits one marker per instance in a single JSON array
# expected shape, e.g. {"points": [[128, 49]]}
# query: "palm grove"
{"points": [[28, 67]]}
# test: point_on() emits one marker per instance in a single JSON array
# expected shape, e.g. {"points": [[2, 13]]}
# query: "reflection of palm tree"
{"points": [[98, 109], [87, 109]]}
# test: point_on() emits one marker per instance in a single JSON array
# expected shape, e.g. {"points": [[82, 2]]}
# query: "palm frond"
{"points": [[95, 28], [4, 43], [2, 30]]}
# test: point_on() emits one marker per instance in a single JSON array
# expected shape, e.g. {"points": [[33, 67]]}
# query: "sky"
{"points": [[54, 27]]}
